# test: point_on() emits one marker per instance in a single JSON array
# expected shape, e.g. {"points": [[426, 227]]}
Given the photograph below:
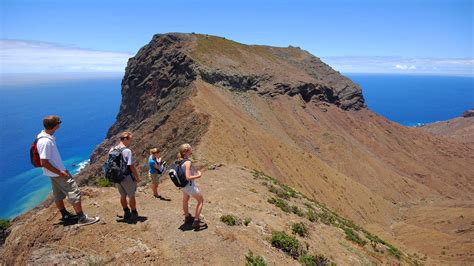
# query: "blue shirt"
{"points": [[151, 164]]}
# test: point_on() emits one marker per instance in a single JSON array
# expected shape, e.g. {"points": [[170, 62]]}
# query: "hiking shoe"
{"points": [[188, 219], [127, 215], [197, 224], [133, 216], [69, 217], [86, 220]]}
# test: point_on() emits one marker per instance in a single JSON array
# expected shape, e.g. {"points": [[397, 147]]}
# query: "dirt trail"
{"points": [[157, 238]]}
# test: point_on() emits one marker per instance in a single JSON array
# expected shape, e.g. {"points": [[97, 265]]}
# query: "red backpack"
{"points": [[34, 155]]}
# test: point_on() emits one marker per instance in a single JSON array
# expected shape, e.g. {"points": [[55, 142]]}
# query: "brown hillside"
{"points": [[287, 113], [460, 128]]}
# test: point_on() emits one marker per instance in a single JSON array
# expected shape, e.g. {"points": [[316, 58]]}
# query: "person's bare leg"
{"points": [[59, 204], [185, 204], [77, 207], [123, 201], [154, 188], [200, 203], [133, 203]]}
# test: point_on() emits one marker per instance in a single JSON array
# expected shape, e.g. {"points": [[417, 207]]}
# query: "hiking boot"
{"points": [[69, 217], [188, 219], [127, 215], [86, 220], [197, 224], [133, 216]]}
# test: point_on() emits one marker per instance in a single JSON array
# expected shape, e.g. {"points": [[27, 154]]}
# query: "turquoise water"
{"points": [[89, 108]]}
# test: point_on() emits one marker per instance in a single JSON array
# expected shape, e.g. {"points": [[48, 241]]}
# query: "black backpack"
{"points": [[177, 175], [116, 168]]}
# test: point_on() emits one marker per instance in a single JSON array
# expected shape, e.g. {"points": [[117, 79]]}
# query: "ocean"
{"points": [[89, 107], [416, 100]]}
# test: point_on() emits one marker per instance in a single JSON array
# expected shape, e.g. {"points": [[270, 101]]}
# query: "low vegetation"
{"points": [[247, 221], [299, 229], [314, 260], [280, 203], [4, 224], [312, 216], [286, 243], [297, 211], [316, 211], [229, 219], [354, 237], [104, 182], [251, 260], [394, 252]]}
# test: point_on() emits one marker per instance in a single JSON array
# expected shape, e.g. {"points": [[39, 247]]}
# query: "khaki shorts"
{"points": [[155, 178], [127, 187], [65, 187]]}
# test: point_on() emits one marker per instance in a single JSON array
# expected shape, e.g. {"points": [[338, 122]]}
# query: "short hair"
{"points": [[50, 121], [153, 151], [125, 135]]}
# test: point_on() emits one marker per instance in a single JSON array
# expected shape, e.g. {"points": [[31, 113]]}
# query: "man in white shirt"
{"points": [[62, 182]]}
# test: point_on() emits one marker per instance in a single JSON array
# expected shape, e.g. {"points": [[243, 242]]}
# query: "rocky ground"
{"points": [[160, 237]]}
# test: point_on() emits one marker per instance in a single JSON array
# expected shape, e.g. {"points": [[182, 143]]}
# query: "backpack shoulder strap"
{"points": [[183, 161], [42, 137]]}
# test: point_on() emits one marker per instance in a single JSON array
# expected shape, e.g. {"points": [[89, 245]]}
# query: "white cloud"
{"points": [[412, 65], [405, 67], [39, 57]]}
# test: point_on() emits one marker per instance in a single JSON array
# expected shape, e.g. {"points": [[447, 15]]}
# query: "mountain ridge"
{"points": [[285, 112]]}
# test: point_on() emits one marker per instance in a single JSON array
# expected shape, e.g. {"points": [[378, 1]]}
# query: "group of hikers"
{"points": [[65, 186]]}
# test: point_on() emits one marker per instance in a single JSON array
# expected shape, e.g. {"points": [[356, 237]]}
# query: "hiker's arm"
{"points": [[187, 168], [156, 165], [134, 173], [45, 163]]}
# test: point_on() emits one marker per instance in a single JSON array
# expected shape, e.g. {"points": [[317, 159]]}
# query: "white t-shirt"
{"points": [[48, 150]]}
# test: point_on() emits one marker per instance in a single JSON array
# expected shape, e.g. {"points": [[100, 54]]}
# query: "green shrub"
{"points": [[229, 219], [310, 260], [297, 211], [280, 204], [312, 216], [247, 221], [309, 205], [289, 191], [327, 218], [354, 237], [300, 229], [104, 182], [252, 260], [286, 243], [279, 192], [4, 224], [394, 251]]}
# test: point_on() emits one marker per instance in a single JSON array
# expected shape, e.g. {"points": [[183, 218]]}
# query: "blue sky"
{"points": [[352, 36]]}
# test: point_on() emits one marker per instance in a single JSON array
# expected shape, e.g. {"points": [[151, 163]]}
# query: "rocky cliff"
{"points": [[160, 79], [284, 112]]}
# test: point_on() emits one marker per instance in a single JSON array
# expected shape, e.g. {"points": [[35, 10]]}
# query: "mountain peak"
{"points": [[268, 70]]}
